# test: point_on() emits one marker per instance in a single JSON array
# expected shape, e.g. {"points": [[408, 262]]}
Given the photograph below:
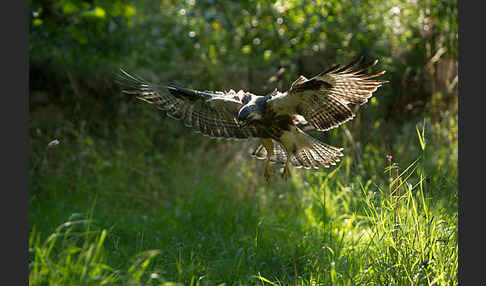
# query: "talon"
{"points": [[286, 173], [268, 144], [268, 171], [267, 178]]}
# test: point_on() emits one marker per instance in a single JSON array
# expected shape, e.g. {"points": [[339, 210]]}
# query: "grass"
{"points": [[130, 210]]}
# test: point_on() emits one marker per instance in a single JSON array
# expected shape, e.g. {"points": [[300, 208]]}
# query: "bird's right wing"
{"points": [[212, 113]]}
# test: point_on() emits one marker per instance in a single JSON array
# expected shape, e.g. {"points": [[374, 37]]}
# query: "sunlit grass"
{"points": [[129, 212]]}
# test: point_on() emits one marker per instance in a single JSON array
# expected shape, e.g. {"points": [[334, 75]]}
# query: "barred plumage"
{"points": [[210, 113], [278, 119]]}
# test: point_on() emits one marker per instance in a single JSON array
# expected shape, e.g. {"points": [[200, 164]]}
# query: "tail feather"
{"points": [[318, 154], [314, 156], [279, 154]]}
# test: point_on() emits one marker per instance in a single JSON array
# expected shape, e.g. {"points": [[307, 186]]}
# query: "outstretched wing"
{"points": [[212, 113], [323, 100]]}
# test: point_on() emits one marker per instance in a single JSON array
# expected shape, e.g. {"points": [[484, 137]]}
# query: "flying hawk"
{"points": [[277, 119]]}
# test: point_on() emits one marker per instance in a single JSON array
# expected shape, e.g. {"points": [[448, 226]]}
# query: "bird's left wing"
{"points": [[211, 113], [323, 100]]}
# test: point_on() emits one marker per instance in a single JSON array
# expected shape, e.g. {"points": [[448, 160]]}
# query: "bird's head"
{"points": [[248, 114]]}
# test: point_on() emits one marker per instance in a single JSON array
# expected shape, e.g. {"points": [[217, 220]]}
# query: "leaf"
{"points": [[246, 49], [421, 137], [97, 12], [129, 11], [263, 279]]}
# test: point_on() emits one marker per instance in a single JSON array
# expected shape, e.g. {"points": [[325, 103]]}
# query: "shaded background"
{"points": [[76, 48], [119, 153]]}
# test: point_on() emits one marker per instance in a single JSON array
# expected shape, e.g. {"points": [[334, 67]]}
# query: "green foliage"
{"points": [[344, 226], [214, 41], [161, 205], [76, 46], [76, 35], [74, 254]]}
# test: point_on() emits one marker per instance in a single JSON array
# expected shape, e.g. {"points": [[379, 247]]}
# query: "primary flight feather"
{"points": [[277, 119]]}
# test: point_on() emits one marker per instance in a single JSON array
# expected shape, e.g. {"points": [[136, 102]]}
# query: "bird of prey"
{"points": [[277, 119]]}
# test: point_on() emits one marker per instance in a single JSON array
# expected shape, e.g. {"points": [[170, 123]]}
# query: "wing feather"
{"points": [[210, 113], [323, 100]]}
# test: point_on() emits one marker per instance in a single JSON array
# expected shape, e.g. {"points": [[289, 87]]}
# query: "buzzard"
{"points": [[277, 119]]}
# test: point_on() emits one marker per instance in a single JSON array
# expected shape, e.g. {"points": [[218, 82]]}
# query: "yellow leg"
{"points": [[268, 143], [286, 172]]}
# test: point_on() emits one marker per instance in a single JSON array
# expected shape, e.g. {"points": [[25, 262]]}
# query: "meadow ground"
{"points": [[128, 211]]}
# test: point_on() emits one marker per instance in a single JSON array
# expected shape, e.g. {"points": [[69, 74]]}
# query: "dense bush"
{"points": [[76, 46]]}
